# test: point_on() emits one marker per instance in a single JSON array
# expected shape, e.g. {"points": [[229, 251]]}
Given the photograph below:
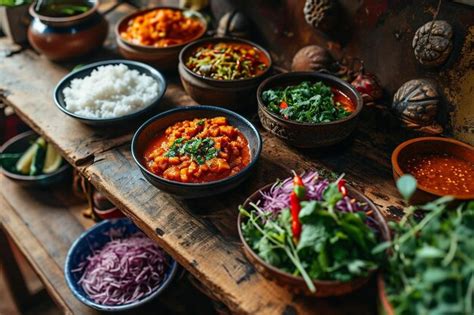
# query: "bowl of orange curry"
{"points": [[156, 35], [196, 151], [441, 166]]}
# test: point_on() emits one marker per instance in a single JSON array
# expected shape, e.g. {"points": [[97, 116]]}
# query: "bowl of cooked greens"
{"points": [[223, 71], [312, 235], [308, 109], [30, 161]]}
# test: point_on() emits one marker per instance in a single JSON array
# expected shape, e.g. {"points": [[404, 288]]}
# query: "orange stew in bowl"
{"points": [[162, 28], [198, 151], [443, 173]]}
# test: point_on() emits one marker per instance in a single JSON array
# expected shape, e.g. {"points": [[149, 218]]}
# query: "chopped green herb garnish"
{"points": [[199, 150]]}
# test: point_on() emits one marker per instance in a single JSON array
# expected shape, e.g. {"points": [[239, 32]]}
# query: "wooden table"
{"points": [[199, 234], [43, 223]]}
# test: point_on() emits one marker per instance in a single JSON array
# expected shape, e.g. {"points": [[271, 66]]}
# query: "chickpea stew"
{"points": [[198, 151]]}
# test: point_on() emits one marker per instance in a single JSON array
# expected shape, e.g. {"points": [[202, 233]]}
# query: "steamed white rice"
{"points": [[110, 91]]}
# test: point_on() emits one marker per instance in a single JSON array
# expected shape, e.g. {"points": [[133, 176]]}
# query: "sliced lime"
{"points": [[24, 163], [52, 161]]}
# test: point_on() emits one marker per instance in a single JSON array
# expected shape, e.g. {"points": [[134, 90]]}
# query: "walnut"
{"points": [[320, 13], [234, 24], [416, 104], [433, 42], [312, 58]]}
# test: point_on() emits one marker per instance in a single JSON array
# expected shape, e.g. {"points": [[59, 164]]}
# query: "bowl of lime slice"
{"points": [[30, 161]]}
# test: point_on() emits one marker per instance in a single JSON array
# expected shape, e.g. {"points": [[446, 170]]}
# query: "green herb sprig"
{"points": [[431, 266]]}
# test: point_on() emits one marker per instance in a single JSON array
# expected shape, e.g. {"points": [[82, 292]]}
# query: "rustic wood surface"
{"points": [[44, 223], [200, 234]]}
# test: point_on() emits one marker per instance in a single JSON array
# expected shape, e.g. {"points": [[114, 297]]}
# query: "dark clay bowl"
{"points": [[63, 38], [86, 71], [21, 143], [296, 284], [308, 135], [232, 94], [154, 125], [160, 57], [423, 145]]}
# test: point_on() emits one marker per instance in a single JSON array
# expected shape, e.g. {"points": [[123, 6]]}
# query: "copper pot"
{"points": [[62, 38]]}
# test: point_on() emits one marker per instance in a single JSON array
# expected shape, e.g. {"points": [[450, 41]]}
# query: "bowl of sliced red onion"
{"points": [[114, 267]]}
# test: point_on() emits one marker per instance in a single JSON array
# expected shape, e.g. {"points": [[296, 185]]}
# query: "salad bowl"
{"points": [[296, 284]]}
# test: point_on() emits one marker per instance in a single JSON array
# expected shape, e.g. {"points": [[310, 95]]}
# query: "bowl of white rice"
{"points": [[109, 92]]}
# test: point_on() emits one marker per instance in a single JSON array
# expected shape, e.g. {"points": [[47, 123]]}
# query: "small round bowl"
{"points": [[161, 57], [308, 135], [423, 145], [296, 284], [21, 143], [232, 94], [58, 94], [160, 122], [94, 239]]}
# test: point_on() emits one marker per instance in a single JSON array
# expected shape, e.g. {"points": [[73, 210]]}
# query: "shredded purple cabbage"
{"points": [[278, 197], [123, 271]]}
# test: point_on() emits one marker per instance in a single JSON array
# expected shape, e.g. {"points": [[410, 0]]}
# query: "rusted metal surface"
{"points": [[379, 32]]}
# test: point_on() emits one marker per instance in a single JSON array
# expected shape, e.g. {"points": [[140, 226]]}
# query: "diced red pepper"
{"points": [[283, 105]]}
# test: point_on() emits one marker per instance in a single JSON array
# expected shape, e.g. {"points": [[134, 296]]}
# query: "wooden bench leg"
{"points": [[14, 278]]}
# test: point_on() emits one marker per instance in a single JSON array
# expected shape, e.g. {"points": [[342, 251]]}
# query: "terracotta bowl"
{"points": [[384, 305], [62, 38], [423, 145], [308, 135], [160, 57], [237, 95], [155, 125], [324, 288]]}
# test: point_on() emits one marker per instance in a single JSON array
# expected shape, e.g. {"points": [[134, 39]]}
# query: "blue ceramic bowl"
{"points": [[154, 125], [85, 71], [95, 238]]}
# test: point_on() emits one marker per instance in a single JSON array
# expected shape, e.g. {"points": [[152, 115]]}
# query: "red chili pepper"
{"points": [[297, 195], [295, 207], [341, 186], [283, 105]]}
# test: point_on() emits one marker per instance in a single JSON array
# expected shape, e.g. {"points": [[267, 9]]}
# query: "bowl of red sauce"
{"points": [[223, 71], [157, 35], [308, 109], [441, 166], [196, 151]]}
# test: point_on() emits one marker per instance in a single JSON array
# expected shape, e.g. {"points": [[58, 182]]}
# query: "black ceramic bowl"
{"points": [[86, 70], [194, 190], [21, 143], [309, 135]]}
